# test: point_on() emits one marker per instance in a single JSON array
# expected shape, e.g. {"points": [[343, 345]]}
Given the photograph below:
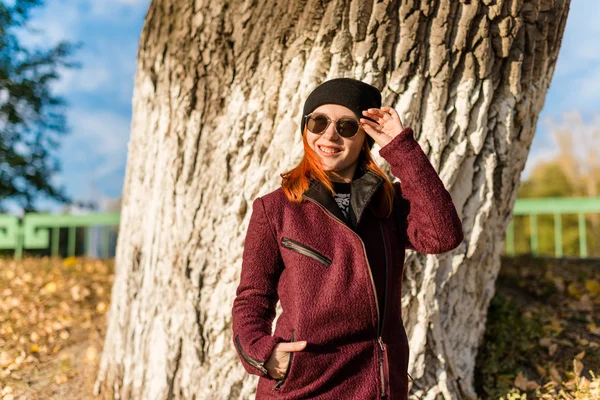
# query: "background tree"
{"points": [[573, 172], [31, 115], [216, 109]]}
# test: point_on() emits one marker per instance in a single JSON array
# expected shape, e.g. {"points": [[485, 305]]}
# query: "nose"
{"points": [[331, 133]]}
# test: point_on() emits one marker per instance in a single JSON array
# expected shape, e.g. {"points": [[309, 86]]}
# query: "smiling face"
{"points": [[340, 166]]}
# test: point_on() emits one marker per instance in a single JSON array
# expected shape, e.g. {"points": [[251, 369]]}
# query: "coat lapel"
{"points": [[361, 191], [362, 188], [319, 193]]}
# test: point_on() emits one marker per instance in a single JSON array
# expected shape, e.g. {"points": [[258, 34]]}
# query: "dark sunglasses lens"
{"points": [[347, 127], [317, 123]]}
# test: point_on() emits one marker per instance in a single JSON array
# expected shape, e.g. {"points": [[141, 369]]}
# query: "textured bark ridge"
{"points": [[218, 95]]}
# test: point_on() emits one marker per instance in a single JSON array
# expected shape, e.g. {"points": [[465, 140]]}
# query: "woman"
{"points": [[330, 245]]}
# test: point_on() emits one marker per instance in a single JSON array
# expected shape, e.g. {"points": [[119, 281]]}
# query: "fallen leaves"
{"points": [[101, 307], [525, 385], [7, 393], [5, 359], [574, 291], [552, 349], [50, 287], [593, 287], [555, 375], [593, 329], [46, 306], [565, 359], [577, 387]]}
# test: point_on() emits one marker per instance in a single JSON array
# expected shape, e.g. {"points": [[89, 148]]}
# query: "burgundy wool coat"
{"points": [[339, 281]]}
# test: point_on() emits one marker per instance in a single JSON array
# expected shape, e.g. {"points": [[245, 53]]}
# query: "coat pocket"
{"points": [[287, 370], [304, 249], [252, 361]]}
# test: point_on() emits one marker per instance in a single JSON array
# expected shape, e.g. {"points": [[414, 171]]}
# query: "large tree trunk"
{"points": [[218, 95]]}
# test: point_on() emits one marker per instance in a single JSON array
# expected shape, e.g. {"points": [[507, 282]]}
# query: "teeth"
{"points": [[326, 150]]}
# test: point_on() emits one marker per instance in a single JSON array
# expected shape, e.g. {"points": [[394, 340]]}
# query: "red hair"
{"points": [[297, 180]]}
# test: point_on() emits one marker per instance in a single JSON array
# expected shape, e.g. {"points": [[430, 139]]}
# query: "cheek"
{"points": [[311, 138], [357, 146]]}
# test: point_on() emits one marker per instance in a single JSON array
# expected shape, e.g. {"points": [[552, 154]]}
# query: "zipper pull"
{"points": [[380, 341]]}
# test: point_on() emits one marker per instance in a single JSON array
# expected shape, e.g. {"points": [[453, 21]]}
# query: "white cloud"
{"points": [[590, 88], [69, 19], [107, 133], [107, 63], [544, 148], [94, 151], [575, 86], [579, 50], [87, 80], [44, 29], [584, 136], [115, 8]]}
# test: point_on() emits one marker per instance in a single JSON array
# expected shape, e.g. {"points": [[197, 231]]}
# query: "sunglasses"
{"points": [[317, 123]]}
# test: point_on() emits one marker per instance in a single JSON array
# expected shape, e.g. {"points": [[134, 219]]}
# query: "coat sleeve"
{"points": [[253, 308], [426, 208]]}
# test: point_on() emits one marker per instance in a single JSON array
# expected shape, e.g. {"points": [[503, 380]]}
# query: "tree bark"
{"points": [[218, 95]]}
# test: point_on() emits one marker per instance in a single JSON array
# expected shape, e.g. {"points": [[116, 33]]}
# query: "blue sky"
{"points": [[575, 86], [94, 153]]}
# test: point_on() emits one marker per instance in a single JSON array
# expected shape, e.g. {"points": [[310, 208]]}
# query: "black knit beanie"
{"points": [[347, 92]]}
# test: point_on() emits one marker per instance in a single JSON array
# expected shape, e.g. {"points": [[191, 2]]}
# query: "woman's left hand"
{"points": [[388, 124]]}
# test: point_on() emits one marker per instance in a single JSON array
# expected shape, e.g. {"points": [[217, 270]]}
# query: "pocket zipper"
{"points": [[382, 354], [287, 370], [250, 360], [301, 248]]}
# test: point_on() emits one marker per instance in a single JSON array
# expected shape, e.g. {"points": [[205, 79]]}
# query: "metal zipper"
{"points": [[250, 360], [381, 369], [364, 250], [386, 278], [287, 370], [379, 339], [302, 248]]}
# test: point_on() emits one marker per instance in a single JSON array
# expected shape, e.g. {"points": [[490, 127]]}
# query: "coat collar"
{"points": [[362, 187]]}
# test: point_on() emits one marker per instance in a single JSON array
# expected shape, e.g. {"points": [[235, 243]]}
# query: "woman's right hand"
{"points": [[280, 357]]}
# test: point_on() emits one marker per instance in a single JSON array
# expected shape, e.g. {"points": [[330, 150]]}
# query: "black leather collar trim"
{"points": [[318, 192], [362, 189]]}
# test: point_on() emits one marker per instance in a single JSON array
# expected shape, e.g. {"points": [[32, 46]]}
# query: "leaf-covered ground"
{"points": [[542, 338], [542, 335], [52, 324]]}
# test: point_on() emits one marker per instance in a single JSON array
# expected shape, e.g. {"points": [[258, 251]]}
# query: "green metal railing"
{"points": [[33, 231], [557, 207]]}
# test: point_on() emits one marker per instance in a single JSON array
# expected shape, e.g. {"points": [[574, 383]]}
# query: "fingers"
{"points": [[394, 114], [376, 114], [383, 115], [279, 359], [277, 372], [365, 122], [371, 128], [292, 346]]}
